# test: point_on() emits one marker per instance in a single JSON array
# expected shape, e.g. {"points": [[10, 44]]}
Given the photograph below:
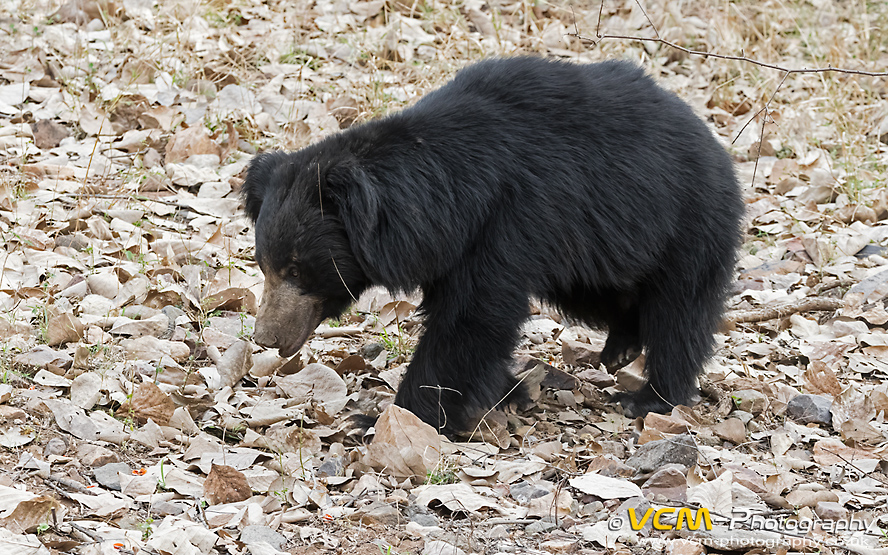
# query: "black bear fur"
{"points": [[586, 186]]}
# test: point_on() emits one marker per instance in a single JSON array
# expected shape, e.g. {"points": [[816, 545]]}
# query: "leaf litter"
{"points": [[135, 413]]}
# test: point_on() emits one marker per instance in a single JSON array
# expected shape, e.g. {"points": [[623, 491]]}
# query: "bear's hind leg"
{"points": [[616, 310], [677, 330]]}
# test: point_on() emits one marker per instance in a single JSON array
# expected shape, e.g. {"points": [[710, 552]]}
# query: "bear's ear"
{"points": [[355, 198], [260, 176], [354, 194]]}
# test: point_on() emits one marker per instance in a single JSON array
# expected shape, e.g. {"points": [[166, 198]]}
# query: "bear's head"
{"points": [[301, 246]]}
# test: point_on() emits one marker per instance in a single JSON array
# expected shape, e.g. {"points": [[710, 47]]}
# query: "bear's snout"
{"points": [[264, 336], [286, 318]]}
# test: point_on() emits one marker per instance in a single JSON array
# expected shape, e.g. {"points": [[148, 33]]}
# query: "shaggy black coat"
{"points": [[586, 186]]}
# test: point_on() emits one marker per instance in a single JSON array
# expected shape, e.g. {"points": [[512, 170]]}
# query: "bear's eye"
{"points": [[294, 272]]}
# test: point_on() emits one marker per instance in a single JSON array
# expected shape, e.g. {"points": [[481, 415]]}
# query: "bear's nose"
{"points": [[262, 336]]}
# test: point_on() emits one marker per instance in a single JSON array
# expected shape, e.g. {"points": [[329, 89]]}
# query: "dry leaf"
{"points": [[148, 403], [404, 446], [226, 485]]}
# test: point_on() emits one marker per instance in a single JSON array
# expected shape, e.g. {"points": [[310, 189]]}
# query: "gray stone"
{"points": [[256, 534], [524, 491], [742, 415], [56, 446], [371, 351], [750, 400], [810, 408], [333, 466], [732, 429], [107, 475], [576, 353], [379, 512], [539, 526], [420, 515], [425, 520], [164, 508], [590, 509], [437, 547], [498, 532], [654, 455]]}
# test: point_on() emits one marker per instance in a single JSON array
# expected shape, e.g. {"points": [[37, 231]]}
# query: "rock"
{"points": [[830, 510], [379, 512], [684, 547], [371, 351], [732, 430], [56, 446], [744, 416], [576, 353], [665, 424], [807, 409], [524, 491], [437, 547], [108, 475], [498, 532], [333, 466], [539, 526], [750, 400], [256, 534], [420, 515], [558, 379], [654, 455], [426, 520], [670, 482], [596, 377], [94, 455]]}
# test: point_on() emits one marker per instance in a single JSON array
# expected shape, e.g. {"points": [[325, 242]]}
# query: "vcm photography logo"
{"points": [[673, 518]]}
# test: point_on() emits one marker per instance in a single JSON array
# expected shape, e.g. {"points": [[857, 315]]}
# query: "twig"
{"points": [[852, 465], [71, 484], [830, 285], [602, 36], [87, 532], [599, 36], [810, 304], [767, 112]]}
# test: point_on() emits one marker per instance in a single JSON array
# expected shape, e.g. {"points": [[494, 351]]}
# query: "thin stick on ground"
{"points": [[812, 304]]}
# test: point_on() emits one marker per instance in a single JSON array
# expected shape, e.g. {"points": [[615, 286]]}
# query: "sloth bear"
{"points": [[588, 187]]}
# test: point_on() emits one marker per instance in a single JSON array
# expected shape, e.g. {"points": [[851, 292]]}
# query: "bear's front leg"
{"points": [[461, 367]]}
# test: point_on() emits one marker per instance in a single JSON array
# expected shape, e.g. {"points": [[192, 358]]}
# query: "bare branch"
{"points": [[599, 37], [809, 304], [830, 69]]}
